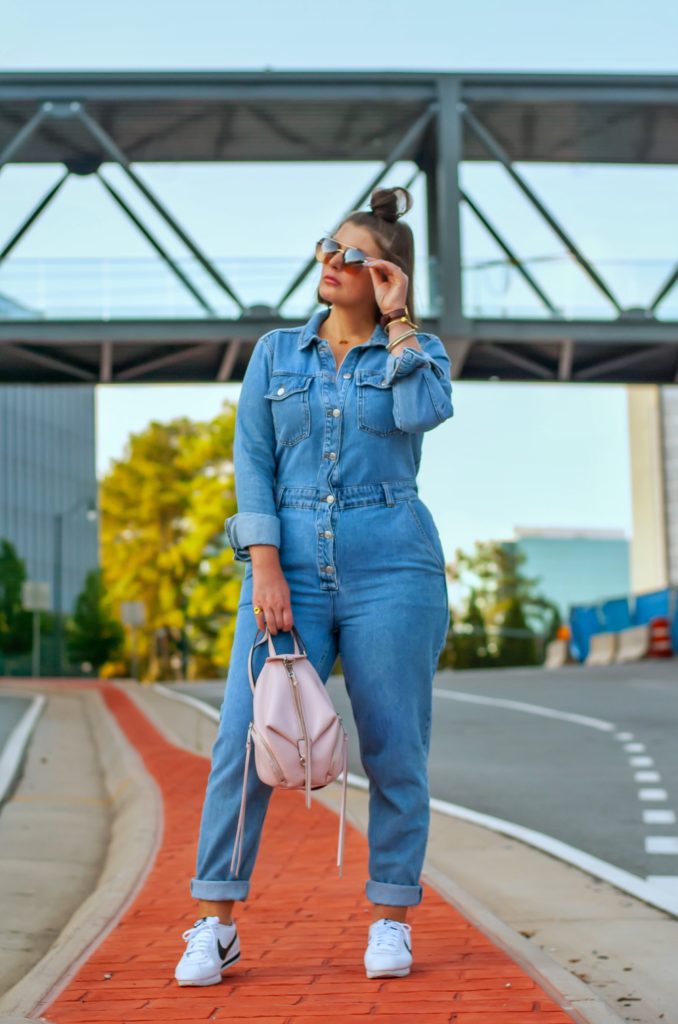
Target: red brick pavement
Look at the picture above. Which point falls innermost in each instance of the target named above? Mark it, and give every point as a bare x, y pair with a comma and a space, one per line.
303, 930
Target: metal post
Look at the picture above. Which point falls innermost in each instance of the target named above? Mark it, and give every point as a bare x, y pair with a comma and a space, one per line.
58, 556
36, 644
447, 196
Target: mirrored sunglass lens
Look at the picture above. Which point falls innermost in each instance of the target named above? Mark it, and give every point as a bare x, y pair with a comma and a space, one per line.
354, 256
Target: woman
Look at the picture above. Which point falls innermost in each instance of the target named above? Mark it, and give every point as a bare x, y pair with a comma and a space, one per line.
337, 542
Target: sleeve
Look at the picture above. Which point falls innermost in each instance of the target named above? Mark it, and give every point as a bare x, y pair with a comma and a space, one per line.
422, 389
256, 521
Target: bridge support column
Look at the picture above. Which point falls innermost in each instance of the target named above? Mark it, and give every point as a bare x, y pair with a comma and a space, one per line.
653, 444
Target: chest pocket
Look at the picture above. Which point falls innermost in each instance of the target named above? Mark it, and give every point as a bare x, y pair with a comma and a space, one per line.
288, 395
375, 403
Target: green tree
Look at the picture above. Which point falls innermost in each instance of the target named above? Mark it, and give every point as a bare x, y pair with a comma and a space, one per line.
163, 507
15, 622
517, 643
92, 634
470, 640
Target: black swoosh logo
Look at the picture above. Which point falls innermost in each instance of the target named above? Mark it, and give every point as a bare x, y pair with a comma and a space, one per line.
223, 953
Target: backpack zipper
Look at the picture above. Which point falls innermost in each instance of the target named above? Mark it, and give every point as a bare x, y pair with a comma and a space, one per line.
302, 725
271, 756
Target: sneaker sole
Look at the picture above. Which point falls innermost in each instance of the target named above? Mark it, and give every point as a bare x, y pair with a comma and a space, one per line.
215, 979
400, 973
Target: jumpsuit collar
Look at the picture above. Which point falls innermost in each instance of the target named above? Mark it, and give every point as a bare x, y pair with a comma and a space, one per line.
310, 329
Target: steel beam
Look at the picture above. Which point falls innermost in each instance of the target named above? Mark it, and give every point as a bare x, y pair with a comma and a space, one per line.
32, 217
409, 139
168, 359
51, 362
497, 151
120, 158
449, 152
514, 260
161, 251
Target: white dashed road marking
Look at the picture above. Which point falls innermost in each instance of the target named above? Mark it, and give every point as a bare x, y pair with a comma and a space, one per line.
661, 844
657, 817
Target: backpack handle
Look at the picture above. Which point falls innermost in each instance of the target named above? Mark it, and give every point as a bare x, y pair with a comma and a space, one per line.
266, 635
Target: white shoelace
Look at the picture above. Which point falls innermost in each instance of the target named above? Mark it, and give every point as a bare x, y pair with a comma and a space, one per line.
198, 938
387, 937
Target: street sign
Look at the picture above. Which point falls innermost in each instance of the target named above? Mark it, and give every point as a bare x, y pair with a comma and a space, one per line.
133, 613
36, 596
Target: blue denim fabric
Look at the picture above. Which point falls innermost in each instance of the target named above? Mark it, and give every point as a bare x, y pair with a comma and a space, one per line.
325, 464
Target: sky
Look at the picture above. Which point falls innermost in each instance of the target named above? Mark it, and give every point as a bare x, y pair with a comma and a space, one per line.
542, 455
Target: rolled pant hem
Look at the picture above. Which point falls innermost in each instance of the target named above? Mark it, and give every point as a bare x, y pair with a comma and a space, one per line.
208, 889
393, 895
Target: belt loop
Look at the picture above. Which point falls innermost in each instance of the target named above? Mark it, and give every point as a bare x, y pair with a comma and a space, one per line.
388, 494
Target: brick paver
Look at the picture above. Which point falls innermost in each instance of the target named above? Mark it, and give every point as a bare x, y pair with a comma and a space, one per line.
303, 930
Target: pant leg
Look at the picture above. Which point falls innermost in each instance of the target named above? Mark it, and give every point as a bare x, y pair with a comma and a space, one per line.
213, 878
393, 617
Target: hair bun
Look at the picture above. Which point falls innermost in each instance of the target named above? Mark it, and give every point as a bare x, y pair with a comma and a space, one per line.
390, 203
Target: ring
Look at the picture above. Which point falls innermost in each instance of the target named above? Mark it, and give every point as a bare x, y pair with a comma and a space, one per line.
257, 609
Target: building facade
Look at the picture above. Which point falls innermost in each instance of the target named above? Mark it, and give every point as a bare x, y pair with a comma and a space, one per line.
47, 480
576, 566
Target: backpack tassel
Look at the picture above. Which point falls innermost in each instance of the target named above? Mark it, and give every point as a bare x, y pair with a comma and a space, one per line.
240, 830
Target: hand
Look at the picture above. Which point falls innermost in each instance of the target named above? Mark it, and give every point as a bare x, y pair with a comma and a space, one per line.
271, 593
390, 284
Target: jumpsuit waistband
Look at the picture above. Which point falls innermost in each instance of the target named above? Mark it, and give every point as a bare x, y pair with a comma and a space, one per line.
384, 492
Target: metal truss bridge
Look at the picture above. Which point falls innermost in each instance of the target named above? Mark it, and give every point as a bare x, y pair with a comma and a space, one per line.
84, 121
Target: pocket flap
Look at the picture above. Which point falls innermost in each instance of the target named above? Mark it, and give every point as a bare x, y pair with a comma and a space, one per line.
284, 384
375, 379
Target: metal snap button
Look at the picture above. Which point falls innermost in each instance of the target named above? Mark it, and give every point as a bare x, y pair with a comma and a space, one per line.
336, 412
329, 568
327, 533
347, 376
281, 391
331, 455
329, 499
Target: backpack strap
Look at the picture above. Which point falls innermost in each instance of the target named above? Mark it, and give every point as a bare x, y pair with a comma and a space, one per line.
342, 816
240, 830
256, 643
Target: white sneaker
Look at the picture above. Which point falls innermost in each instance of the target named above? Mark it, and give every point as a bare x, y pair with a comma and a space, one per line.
212, 948
389, 949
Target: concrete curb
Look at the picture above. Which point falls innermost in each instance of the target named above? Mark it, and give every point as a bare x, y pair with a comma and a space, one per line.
568, 991
572, 994
136, 833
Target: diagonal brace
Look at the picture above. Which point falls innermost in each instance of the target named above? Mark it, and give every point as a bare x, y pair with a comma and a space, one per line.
497, 151
410, 138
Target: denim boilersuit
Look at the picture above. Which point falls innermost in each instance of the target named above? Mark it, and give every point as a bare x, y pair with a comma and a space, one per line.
325, 462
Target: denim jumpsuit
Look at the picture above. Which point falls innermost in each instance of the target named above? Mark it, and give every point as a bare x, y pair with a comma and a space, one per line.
325, 463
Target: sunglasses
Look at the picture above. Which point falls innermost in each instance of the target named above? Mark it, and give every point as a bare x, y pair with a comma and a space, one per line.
353, 259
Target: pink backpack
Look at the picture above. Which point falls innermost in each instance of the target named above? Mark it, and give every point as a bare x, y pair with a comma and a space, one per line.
299, 739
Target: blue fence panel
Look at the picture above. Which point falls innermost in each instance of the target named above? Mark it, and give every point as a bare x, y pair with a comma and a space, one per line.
616, 614
651, 606
584, 622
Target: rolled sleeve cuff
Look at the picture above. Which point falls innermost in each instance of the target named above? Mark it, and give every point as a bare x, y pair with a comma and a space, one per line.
407, 361
245, 528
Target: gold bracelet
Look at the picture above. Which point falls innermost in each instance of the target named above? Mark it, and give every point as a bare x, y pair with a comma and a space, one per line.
394, 341
401, 320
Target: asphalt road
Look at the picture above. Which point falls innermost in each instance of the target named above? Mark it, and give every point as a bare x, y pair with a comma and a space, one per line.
575, 780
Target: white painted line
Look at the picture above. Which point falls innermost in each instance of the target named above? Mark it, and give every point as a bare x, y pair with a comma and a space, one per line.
16, 743
185, 698
623, 736
635, 748
647, 777
661, 844
655, 895
667, 882
528, 709
641, 762
652, 794
659, 817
